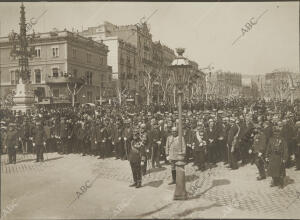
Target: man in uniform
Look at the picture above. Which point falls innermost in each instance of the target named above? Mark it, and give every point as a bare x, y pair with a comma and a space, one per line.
127, 136
63, 131
136, 150
117, 141
173, 150
11, 143
154, 143
39, 141
259, 150
277, 154
102, 138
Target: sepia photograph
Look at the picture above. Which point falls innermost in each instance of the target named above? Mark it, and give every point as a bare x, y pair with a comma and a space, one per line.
149, 110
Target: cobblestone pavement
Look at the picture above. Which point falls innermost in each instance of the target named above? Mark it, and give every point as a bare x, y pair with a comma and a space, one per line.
238, 189
225, 189
27, 163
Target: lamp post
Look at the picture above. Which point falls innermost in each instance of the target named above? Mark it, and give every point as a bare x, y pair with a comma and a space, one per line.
181, 69
24, 98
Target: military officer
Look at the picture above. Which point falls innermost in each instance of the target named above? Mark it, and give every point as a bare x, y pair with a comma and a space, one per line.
39, 141
259, 150
277, 154
136, 150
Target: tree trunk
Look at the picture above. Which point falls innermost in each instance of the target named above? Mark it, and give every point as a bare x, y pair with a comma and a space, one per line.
73, 99
148, 98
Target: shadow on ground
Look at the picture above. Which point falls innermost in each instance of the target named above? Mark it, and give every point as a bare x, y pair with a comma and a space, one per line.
156, 183
54, 158
288, 180
155, 170
190, 211
190, 178
215, 183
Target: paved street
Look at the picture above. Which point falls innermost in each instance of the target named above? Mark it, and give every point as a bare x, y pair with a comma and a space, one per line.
52, 189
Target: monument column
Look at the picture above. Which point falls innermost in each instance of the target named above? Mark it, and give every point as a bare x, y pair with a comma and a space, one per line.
24, 97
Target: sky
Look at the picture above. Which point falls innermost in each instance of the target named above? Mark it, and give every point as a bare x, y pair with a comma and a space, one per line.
206, 29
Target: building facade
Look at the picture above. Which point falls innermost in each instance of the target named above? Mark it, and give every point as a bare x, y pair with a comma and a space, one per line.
132, 44
59, 54
282, 84
224, 84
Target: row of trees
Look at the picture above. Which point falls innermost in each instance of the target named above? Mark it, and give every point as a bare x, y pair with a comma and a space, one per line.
161, 80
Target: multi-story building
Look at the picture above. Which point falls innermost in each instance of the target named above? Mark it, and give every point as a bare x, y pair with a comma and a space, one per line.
122, 58
59, 54
162, 56
281, 84
134, 36
224, 84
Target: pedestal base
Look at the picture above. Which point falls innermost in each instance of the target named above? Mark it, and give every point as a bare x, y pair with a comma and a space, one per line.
24, 98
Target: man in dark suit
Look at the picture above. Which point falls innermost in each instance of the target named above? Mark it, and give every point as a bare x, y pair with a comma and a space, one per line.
154, 142
11, 143
277, 155
232, 143
258, 149
136, 150
39, 141
210, 137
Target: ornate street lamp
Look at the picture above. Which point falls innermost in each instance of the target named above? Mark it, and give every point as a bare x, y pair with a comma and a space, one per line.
24, 97
181, 69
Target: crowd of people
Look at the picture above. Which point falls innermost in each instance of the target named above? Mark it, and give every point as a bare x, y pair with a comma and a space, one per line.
235, 132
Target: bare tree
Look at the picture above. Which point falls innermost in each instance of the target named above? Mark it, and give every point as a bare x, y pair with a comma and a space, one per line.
149, 76
74, 86
165, 81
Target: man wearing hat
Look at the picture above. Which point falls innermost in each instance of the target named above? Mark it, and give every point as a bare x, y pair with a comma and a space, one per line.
127, 137
277, 154
258, 150
39, 141
136, 151
210, 138
154, 144
188, 137
117, 140
232, 143
11, 143
199, 147
173, 150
